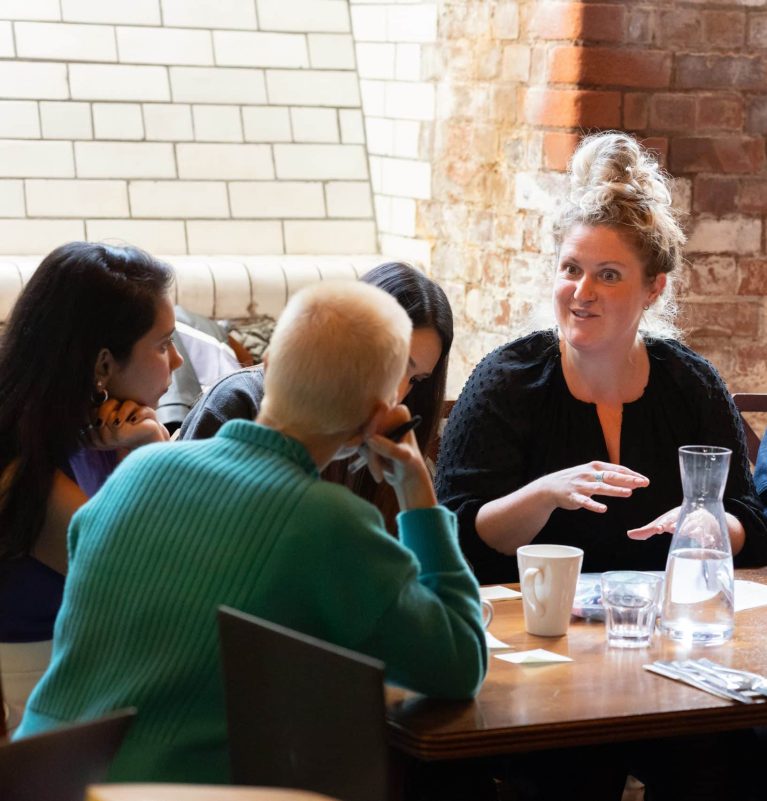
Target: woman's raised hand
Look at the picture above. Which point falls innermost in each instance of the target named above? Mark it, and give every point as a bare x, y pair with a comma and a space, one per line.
666, 523
123, 424
575, 487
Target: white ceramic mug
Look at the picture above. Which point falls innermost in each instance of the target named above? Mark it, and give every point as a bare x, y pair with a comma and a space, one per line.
548, 576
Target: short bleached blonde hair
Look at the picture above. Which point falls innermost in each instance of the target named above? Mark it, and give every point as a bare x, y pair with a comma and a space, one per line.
337, 349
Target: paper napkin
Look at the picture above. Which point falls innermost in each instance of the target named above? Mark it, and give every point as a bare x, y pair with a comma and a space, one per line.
498, 593
494, 642
538, 656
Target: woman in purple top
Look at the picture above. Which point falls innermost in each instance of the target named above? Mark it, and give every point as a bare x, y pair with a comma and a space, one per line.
85, 358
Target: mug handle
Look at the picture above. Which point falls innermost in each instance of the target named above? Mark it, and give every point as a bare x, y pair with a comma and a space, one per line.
487, 612
528, 591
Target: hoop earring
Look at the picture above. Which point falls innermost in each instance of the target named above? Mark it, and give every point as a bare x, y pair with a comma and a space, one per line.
100, 395
646, 308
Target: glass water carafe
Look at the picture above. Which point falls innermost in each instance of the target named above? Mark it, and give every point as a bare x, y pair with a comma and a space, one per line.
698, 594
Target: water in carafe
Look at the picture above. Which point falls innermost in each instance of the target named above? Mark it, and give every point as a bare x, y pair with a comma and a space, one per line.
698, 594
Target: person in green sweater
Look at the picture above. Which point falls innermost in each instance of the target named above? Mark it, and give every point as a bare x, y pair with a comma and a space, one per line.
243, 519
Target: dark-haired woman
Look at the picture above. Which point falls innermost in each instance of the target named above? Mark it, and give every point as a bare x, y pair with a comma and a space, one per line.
422, 388
85, 357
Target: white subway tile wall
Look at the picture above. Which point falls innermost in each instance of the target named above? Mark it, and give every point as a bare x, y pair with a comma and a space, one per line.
200, 127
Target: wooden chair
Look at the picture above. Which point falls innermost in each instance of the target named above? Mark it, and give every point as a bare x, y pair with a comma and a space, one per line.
196, 792
750, 402
302, 713
60, 764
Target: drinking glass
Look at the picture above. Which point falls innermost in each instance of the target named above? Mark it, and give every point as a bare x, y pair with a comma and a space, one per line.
630, 600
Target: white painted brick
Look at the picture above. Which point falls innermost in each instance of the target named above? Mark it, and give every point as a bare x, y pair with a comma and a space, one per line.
373, 97
6, 40
376, 60
403, 215
19, 119
516, 63
77, 198
407, 135
236, 162
67, 120
738, 235
118, 82
201, 85
234, 237
376, 173
314, 124
412, 23
329, 236
413, 251
276, 199
246, 49
184, 199
210, 13
312, 88
352, 126
539, 191
411, 101
12, 199
383, 211
380, 136
25, 159
135, 12
155, 236
30, 9
320, 161
266, 124
328, 16
369, 23
164, 46
58, 41
37, 236
406, 178
408, 67
23, 79
118, 121
169, 122
331, 51
125, 160
217, 123
349, 199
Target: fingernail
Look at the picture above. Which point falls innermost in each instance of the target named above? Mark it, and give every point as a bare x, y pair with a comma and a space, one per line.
132, 419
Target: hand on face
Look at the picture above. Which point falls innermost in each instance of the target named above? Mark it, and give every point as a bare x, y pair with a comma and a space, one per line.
574, 487
123, 424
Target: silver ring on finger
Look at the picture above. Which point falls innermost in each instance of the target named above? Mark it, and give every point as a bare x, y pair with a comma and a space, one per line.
599, 477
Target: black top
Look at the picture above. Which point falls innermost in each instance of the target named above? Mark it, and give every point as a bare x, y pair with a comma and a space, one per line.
516, 421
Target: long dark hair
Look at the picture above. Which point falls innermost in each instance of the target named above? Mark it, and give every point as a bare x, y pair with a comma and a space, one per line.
428, 307
83, 297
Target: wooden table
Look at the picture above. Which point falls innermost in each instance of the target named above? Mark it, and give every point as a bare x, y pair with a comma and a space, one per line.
604, 695
195, 792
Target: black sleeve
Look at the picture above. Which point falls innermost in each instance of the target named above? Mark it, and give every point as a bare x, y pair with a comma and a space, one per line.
236, 397
483, 455
760, 472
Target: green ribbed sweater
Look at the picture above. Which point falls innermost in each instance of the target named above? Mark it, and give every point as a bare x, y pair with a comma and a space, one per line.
243, 520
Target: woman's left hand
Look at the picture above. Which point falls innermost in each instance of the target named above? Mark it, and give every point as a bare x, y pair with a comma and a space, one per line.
123, 425
666, 523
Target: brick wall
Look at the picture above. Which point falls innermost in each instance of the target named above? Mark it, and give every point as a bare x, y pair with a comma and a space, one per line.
523, 79
184, 126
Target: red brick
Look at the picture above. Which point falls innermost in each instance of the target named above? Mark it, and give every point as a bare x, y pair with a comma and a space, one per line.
558, 149
753, 196
721, 319
757, 30
724, 30
719, 113
641, 26
724, 154
635, 110
659, 145
715, 194
720, 72
672, 112
681, 28
571, 108
712, 275
753, 276
593, 22
756, 122
606, 66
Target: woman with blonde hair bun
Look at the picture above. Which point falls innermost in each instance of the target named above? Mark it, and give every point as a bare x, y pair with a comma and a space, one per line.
570, 435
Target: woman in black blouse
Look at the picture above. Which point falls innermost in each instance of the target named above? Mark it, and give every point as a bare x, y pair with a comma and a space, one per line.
570, 435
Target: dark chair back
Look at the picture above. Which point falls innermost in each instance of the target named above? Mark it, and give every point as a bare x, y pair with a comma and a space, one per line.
302, 713
60, 764
750, 402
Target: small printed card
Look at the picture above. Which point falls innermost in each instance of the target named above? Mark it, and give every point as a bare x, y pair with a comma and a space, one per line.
494, 642
749, 594
538, 656
498, 593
